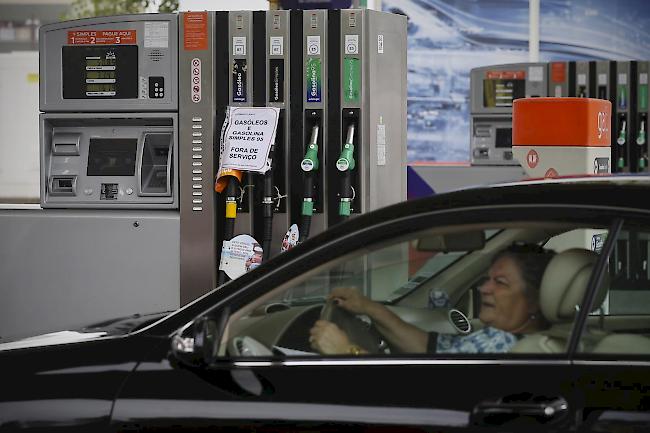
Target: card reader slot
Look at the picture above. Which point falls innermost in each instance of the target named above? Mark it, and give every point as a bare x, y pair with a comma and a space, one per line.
65, 143
155, 165
63, 185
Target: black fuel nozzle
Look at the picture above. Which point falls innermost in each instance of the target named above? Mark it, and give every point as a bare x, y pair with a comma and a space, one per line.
345, 164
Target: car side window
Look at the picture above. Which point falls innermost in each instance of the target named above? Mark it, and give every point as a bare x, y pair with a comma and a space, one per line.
413, 296
620, 323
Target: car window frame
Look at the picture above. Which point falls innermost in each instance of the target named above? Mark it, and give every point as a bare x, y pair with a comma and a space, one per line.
586, 358
377, 233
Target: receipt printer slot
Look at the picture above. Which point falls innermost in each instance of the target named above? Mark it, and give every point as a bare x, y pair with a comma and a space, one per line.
65, 143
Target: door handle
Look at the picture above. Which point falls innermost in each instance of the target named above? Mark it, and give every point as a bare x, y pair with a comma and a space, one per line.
519, 408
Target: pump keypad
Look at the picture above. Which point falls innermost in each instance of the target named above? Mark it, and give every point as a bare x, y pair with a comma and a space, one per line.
156, 87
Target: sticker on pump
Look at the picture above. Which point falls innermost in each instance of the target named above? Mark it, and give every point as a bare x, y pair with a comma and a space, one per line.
551, 173
291, 238
532, 158
102, 37
239, 255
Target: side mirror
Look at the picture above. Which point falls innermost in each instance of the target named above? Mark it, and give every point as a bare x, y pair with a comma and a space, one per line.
198, 343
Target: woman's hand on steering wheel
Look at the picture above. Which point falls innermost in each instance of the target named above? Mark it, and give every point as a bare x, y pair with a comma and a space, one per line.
327, 338
351, 300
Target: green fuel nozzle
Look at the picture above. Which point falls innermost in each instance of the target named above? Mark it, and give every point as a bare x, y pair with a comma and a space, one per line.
640, 139
310, 161
622, 134
346, 164
346, 159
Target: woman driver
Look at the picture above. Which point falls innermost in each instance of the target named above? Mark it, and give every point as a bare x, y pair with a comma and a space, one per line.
509, 308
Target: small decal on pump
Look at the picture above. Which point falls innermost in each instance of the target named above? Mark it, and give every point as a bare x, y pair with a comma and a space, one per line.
551, 173
291, 238
239, 255
603, 123
532, 159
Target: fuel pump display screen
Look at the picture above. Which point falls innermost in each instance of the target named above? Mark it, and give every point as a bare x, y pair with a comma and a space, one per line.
112, 156
501, 92
100, 72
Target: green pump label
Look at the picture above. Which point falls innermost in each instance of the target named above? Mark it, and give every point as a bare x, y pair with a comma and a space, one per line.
314, 79
352, 80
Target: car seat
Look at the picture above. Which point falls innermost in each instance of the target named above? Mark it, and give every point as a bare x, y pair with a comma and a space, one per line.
633, 344
562, 290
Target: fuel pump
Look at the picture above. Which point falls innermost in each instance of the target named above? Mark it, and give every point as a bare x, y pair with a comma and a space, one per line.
310, 98
272, 186
492, 92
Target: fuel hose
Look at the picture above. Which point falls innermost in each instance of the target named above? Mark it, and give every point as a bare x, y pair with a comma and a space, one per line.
641, 141
309, 166
231, 215
267, 211
621, 140
345, 164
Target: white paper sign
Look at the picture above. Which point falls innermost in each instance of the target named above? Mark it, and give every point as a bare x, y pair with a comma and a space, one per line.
248, 138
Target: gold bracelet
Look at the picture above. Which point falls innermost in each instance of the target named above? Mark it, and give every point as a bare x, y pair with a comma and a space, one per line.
354, 350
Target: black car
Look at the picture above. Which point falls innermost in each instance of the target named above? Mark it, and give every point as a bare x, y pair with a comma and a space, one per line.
240, 357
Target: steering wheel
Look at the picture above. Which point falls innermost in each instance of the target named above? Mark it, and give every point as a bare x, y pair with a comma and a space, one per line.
359, 332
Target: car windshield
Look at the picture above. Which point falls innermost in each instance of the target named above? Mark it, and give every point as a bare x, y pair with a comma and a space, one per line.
420, 258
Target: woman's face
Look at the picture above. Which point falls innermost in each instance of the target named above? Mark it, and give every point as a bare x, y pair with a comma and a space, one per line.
503, 300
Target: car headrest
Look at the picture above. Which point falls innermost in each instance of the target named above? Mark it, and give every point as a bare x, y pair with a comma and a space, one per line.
564, 284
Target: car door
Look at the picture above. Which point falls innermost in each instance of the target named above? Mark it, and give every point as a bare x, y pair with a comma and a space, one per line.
253, 388
613, 353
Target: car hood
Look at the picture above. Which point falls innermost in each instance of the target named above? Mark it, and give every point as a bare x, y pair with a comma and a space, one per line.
107, 328
51, 339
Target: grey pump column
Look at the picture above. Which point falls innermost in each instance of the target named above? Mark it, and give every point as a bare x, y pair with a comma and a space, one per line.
197, 69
